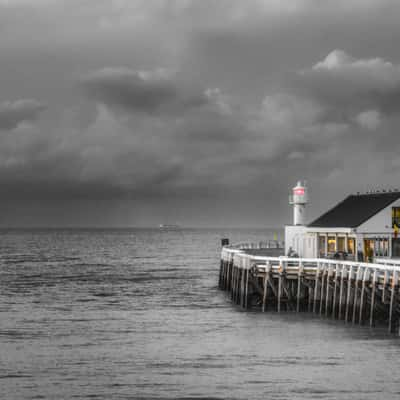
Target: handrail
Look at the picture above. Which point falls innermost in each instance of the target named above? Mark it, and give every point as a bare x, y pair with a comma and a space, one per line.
380, 265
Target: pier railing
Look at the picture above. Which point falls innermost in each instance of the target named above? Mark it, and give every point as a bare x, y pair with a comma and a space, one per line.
356, 292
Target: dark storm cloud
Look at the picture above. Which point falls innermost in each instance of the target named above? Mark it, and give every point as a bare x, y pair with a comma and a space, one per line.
220, 108
347, 86
13, 113
139, 90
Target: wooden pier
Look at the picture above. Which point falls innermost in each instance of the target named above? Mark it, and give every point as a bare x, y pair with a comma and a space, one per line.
355, 292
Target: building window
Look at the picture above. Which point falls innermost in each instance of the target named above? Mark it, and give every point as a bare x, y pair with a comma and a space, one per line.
340, 243
331, 244
321, 246
383, 247
395, 216
350, 245
377, 247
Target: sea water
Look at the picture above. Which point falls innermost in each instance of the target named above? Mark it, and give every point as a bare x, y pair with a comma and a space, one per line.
136, 314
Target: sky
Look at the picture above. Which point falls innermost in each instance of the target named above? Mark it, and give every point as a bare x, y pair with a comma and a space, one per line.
194, 112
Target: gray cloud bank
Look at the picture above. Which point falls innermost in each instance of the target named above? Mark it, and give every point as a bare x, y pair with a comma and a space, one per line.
13, 113
145, 91
199, 112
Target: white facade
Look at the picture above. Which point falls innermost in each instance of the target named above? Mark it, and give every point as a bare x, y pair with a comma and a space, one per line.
380, 223
373, 238
295, 239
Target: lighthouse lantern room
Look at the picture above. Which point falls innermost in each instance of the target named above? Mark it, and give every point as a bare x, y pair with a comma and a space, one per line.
299, 200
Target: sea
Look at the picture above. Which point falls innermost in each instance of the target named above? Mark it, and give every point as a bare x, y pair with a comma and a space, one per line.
136, 314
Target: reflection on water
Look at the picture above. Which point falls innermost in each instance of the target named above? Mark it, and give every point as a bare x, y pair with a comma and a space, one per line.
137, 314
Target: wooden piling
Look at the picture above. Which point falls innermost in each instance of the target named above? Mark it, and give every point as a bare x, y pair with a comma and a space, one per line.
393, 284
362, 313
349, 278
299, 277
327, 291
335, 277
246, 293
321, 298
266, 283
352, 291
355, 297
279, 288
385, 281
316, 288
373, 289
341, 290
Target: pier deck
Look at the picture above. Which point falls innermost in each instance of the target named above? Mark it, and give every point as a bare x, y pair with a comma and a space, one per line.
356, 292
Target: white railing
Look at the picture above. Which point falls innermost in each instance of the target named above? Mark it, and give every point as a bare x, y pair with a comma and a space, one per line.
240, 258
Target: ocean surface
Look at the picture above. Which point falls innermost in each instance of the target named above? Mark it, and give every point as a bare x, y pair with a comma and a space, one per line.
136, 314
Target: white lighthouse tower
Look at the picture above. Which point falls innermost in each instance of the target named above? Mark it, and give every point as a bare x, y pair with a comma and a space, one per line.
299, 199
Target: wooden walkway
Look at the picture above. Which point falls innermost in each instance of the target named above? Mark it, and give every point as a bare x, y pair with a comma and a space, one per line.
359, 293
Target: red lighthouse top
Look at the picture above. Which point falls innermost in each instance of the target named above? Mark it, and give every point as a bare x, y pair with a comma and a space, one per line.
298, 191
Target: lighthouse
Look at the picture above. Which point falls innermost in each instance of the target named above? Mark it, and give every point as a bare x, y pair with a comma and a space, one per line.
299, 200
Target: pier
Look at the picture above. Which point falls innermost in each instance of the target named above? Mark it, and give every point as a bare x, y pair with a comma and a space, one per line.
256, 276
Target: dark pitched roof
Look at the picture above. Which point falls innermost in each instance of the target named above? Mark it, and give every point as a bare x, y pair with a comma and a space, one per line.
355, 209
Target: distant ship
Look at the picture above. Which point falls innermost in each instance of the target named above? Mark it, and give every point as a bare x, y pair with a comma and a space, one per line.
169, 227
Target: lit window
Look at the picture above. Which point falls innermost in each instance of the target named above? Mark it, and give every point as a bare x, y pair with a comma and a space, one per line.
331, 244
396, 216
350, 245
340, 244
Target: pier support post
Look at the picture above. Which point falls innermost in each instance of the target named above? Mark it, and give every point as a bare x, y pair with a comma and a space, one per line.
349, 279
299, 278
280, 278
385, 281
246, 294
335, 277
233, 282
341, 290
373, 289
221, 266
237, 285
363, 284
242, 286
321, 300
393, 285
310, 296
316, 288
266, 279
328, 273
355, 297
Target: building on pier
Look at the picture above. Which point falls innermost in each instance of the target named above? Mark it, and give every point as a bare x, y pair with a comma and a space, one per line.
360, 227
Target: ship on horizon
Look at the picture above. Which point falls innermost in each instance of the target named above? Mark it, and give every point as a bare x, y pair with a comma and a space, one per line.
169, 227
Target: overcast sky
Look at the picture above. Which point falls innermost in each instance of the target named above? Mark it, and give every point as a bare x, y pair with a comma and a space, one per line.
198, 112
